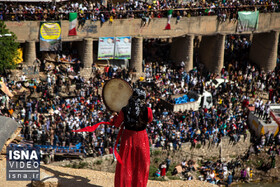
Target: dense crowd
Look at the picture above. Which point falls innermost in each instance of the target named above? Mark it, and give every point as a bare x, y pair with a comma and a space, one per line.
94, 11
50, 108
48, 116
225, 173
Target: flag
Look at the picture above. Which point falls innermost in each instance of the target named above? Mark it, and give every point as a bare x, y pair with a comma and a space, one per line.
72, 23
169, 15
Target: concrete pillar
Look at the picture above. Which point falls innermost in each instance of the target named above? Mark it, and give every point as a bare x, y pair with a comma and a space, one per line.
30, 53
182, 50
87, 58
197, 41
211, 52
264, 48
88, 52
251, 37
137, 54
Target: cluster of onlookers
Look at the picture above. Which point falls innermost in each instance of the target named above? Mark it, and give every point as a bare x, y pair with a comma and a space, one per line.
89, 10
216, 172
227, 117
50, 108
225, 173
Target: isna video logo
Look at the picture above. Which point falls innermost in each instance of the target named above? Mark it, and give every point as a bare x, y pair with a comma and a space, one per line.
23, 163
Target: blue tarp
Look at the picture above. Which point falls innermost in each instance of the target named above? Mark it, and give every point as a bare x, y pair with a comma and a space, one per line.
183, 99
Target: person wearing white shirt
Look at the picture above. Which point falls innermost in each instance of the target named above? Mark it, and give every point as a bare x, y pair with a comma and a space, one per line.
23, 77
261, 111
212, 175
261, 102
266, 113
257, 105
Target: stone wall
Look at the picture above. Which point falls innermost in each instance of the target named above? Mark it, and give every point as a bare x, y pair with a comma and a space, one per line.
202, 25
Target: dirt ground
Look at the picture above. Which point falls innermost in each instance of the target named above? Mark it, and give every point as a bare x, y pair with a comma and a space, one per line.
88, 178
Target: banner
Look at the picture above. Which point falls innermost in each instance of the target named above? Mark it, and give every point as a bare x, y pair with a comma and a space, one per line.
18, 58
123, 47
247, 21
50, 36
106, 46
72, 24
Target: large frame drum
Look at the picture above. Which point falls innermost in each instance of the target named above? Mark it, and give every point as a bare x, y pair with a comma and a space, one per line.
116, 93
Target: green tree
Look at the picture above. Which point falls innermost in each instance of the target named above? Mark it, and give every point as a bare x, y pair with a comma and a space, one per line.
8, 48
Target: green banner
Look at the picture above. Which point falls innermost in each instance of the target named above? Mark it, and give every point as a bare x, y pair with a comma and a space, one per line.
247, 21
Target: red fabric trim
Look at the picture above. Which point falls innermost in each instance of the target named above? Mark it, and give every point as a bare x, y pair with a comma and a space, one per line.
117, 121
118, 157
150, 115
91, 128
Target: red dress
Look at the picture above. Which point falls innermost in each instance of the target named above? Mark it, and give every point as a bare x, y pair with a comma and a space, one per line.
135, 156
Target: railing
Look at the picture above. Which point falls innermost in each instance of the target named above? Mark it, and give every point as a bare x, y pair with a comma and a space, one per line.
124, 14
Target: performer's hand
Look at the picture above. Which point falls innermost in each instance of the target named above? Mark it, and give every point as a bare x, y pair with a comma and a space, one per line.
113, 117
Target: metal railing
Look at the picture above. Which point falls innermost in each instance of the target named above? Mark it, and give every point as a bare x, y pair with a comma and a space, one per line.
125, 14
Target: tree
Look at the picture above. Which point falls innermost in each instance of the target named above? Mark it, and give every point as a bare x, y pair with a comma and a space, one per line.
8, 48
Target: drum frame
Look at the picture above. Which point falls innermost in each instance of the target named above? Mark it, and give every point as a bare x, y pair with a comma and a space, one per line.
104, 101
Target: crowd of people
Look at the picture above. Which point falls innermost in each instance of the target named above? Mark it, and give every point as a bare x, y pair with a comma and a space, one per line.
50, 117
49, 109
94, 11
215, 172
226, 172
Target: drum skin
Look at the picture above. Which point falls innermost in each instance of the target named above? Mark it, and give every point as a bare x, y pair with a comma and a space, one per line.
116, 93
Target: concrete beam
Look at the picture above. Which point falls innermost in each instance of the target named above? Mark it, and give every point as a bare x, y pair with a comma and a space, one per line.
264, 50
182, 51
211, 52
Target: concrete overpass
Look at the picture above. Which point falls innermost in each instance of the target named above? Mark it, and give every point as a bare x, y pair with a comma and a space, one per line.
212, 32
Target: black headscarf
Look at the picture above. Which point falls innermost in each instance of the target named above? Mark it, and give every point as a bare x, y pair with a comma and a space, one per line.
135, 107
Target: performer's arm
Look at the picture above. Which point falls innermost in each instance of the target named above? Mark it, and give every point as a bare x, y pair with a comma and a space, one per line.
150, 115
117, 120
